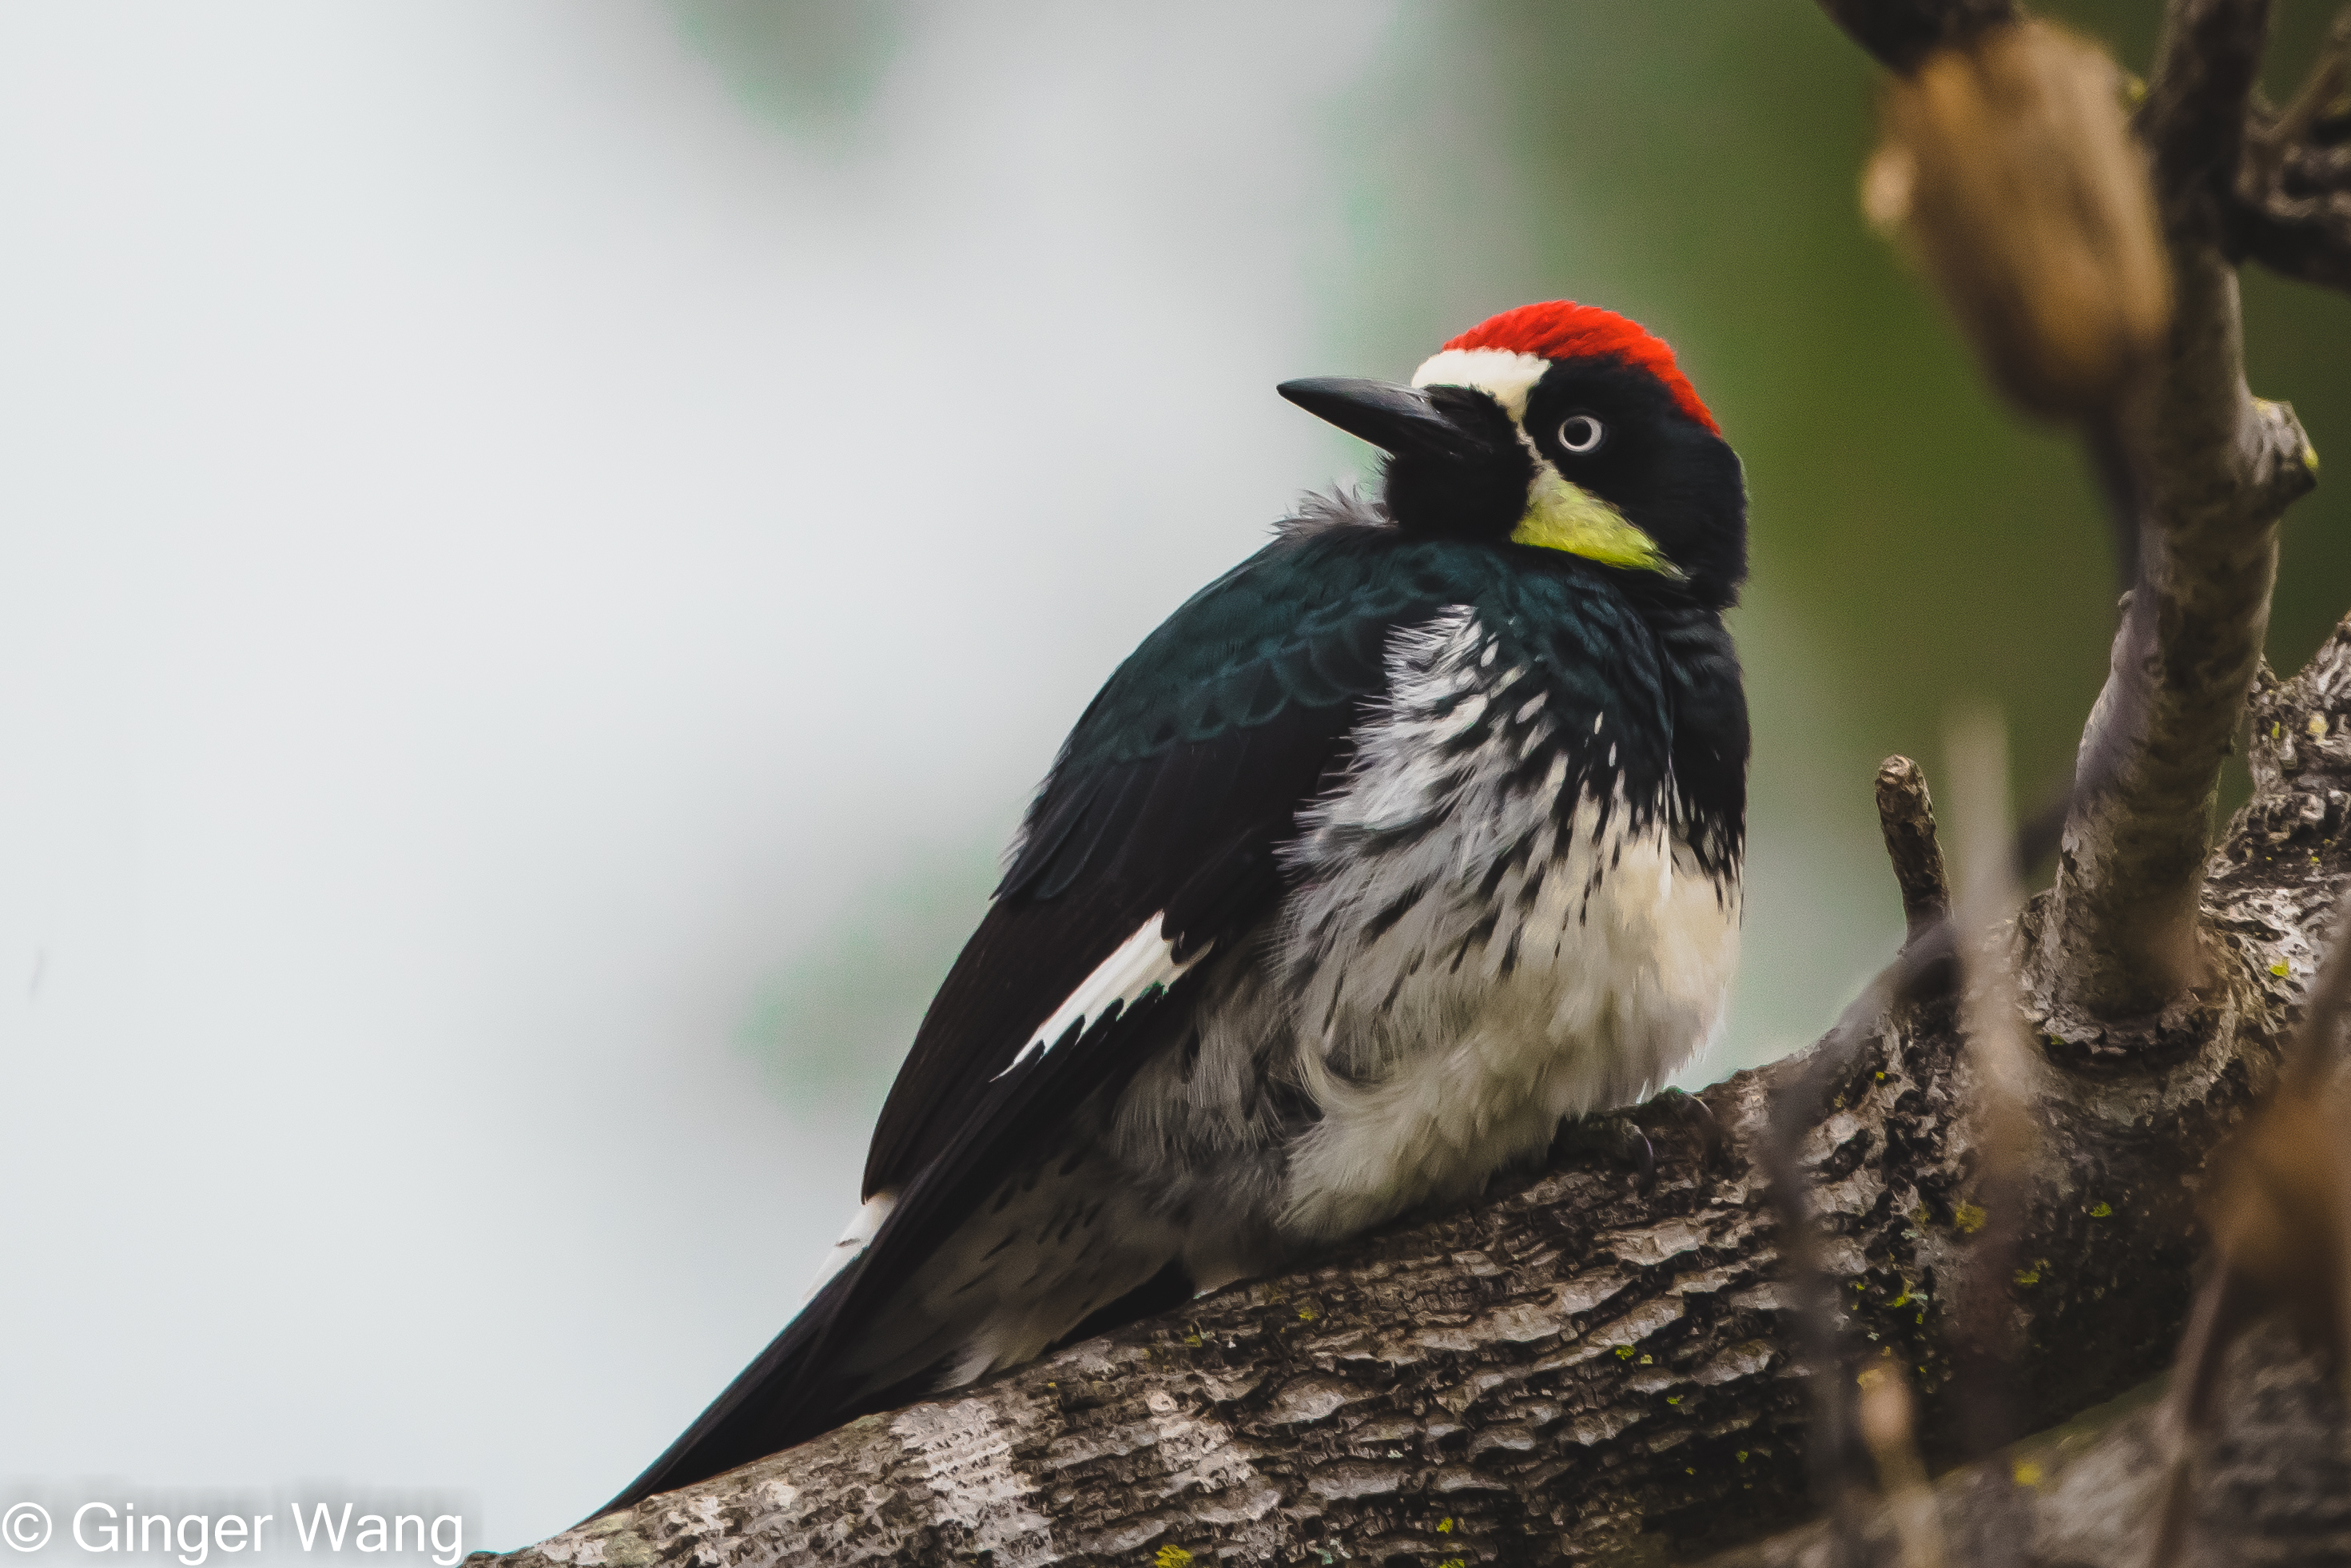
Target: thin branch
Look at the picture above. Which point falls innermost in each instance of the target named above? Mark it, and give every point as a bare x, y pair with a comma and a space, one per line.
1988, 1327
1906, 814
2197, 103
2291, 203
1817, 1325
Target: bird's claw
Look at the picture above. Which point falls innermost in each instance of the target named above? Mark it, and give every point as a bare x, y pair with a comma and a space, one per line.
1694, 1117
1613, 1137
1685, 1108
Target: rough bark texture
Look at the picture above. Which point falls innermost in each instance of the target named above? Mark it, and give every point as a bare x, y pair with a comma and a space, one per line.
2273, 1487
1590, 1364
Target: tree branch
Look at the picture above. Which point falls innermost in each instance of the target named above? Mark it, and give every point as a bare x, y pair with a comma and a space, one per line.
1590, 1364
2279, 1490
2290, 205
1906, 814
2120, 944
2009, 169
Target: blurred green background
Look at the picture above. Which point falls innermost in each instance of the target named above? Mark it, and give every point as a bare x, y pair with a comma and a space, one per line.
1917, 546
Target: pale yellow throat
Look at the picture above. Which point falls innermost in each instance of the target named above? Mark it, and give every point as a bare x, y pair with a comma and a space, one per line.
1561, 515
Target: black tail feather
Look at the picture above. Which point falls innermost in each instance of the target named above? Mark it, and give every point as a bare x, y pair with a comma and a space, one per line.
813, 1377
782, 1398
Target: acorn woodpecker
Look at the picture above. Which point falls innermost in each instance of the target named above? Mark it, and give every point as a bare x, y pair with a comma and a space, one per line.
1413, 835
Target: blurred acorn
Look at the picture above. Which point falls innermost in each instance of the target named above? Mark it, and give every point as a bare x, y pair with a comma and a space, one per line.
2008, 171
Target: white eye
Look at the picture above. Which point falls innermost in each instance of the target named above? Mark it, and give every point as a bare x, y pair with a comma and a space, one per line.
1580, 432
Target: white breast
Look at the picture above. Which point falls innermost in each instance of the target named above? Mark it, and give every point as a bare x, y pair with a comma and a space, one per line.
1479, 957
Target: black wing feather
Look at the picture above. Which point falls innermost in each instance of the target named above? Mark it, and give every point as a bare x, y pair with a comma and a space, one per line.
1192, 833
1172, 798
1201, 818
796, 1388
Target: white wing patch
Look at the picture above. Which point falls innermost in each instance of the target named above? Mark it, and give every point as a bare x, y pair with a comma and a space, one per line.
853, 1239
1143, 960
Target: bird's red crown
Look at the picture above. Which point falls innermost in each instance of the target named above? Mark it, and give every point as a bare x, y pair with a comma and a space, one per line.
1563, 329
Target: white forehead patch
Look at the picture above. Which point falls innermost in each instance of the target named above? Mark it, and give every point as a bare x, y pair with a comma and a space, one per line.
1504, 373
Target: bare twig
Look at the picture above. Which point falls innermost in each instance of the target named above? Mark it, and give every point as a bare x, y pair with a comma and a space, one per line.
2123, 487
1906, 814
2197, 103
2291, 203
1937, 941
2270, 145
2188, 1411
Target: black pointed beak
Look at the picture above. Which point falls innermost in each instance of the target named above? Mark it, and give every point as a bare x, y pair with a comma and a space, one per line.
1403, 421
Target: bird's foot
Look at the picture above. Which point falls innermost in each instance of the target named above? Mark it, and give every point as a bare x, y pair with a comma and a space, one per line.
1616, 1137
1689, 1115
1685, 1108
1612, 1136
